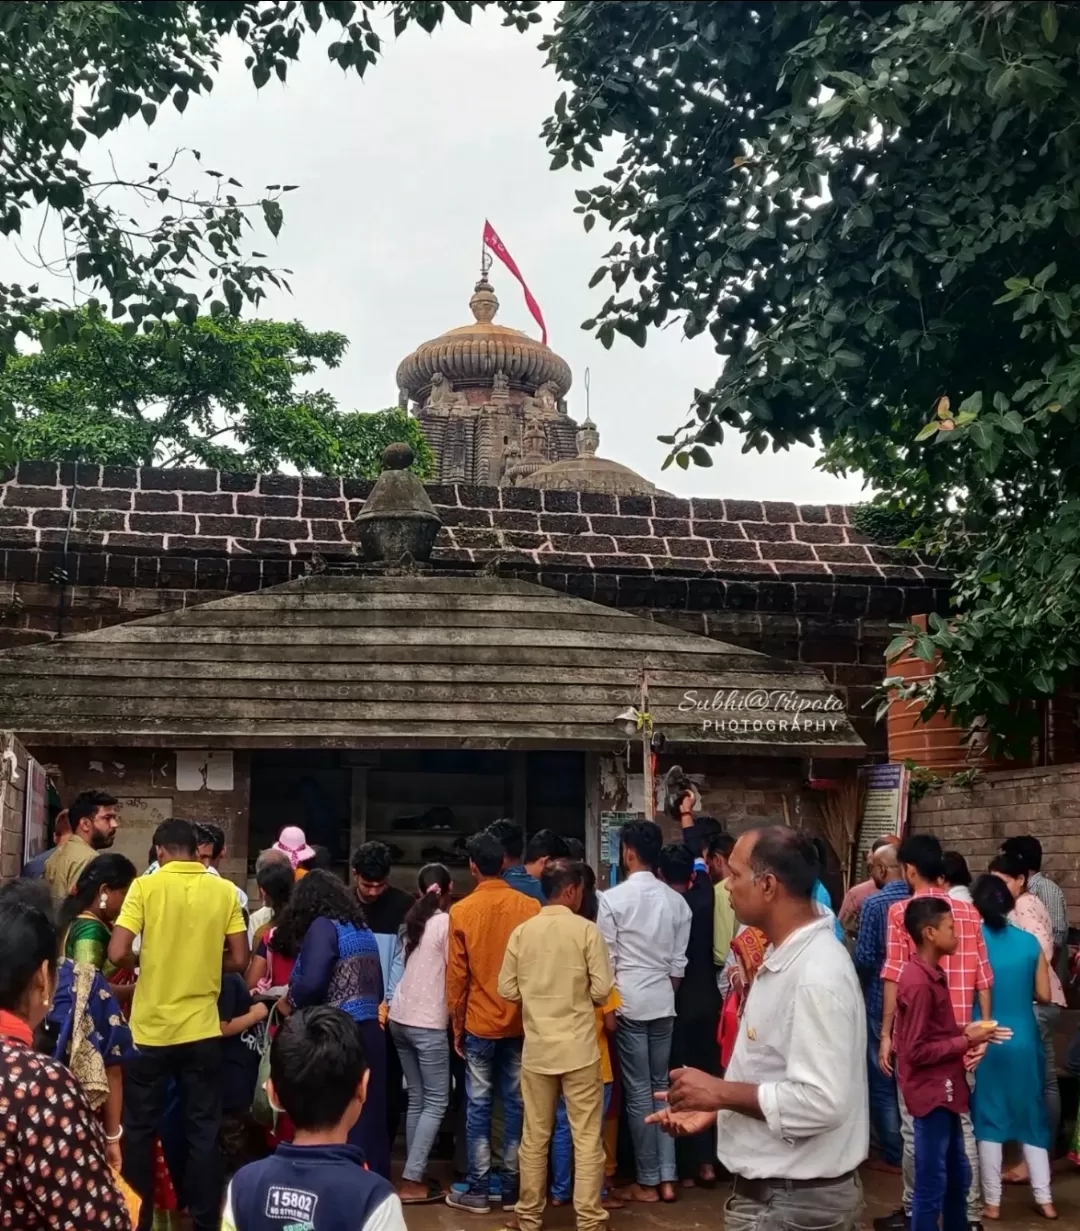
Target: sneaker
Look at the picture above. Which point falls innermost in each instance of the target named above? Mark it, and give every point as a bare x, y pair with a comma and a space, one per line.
975, 1225
494, 1186
510, 1195
472, 1203
896, 1221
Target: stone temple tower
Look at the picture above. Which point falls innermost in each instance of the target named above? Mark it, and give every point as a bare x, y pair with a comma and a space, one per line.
491, 400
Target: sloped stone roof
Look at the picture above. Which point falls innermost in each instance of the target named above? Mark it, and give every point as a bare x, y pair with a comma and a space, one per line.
368, 659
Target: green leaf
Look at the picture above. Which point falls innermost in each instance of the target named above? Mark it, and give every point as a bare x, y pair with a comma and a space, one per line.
272, 216
1050, 21
683, 460
832, 107
180, 100
929, 430
1013, 422
982, 433
897, 646
973, 402
923, 648
701, 456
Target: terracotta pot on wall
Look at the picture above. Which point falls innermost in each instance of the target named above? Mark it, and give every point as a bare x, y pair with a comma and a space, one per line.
938, 744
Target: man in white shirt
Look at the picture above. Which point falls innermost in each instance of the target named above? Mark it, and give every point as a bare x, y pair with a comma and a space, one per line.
647, 928
791, 1112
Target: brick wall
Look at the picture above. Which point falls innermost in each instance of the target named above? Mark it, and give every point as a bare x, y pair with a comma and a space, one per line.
1043, 802
196, 514
151, 774
794, 581
13, 761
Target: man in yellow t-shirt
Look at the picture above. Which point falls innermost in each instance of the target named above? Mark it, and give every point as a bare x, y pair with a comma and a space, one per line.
192, 930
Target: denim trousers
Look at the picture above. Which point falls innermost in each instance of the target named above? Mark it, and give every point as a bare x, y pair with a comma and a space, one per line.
491, 1064
971, 1152
645, 1055
425, 1061
1047, 1017
832, 1205
562, 1148
884, 1106
942, 1174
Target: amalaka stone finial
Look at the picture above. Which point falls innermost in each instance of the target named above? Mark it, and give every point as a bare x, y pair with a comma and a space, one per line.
397, 456
484, 304
398, 518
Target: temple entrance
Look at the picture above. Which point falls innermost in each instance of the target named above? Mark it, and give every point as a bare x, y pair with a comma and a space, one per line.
424, 804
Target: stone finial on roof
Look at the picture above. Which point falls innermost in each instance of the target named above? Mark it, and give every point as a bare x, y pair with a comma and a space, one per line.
398, 519
588, 439
484, 303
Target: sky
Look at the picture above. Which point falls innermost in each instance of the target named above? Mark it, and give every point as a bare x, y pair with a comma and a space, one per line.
396, 174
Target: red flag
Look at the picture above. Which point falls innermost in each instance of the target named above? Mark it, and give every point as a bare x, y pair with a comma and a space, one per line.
492, 241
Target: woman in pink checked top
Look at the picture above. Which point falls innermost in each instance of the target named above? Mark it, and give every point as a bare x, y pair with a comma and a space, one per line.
418, 1021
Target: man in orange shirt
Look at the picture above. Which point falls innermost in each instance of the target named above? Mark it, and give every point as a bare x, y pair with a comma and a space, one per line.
487, 1029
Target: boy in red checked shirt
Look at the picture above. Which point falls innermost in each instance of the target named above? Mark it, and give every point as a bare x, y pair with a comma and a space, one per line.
933, 1055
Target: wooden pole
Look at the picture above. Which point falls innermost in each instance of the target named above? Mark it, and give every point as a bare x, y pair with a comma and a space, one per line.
646, 748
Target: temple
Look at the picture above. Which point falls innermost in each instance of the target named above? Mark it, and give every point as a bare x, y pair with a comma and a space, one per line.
492, 403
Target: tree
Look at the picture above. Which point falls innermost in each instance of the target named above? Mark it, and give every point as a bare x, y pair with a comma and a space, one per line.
873, 209
74, 69
220, 392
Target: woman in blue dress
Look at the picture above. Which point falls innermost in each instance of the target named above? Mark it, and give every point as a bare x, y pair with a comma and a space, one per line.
338, 964
1008, 1102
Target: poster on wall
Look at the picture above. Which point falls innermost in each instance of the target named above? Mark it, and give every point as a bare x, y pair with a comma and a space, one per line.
204, 770
884, 805
139, 817
36, 815
611, 824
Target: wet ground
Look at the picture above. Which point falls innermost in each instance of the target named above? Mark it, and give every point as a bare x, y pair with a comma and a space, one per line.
698, 1208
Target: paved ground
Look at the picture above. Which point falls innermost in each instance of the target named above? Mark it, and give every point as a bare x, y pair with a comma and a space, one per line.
705, 1209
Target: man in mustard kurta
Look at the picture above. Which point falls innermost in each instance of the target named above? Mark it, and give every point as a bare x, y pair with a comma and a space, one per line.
557, 967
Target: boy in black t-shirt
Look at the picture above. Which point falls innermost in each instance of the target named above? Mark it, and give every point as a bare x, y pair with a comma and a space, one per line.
241, 1040
318, 1077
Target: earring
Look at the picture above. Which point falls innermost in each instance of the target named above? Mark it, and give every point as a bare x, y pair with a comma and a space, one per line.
103, 901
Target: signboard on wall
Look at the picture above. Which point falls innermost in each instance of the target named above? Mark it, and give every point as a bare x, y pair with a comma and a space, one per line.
204, 770
36, 813
139, 817
884, 806
611, 824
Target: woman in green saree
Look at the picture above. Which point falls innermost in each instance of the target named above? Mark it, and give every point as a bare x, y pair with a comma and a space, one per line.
86, 918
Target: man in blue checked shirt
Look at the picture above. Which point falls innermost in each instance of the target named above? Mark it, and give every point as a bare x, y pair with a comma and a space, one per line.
887, 874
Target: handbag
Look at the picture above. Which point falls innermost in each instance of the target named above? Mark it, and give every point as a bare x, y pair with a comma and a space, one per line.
262, 1110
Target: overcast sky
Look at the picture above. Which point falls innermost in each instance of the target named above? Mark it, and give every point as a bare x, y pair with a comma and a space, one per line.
396, 175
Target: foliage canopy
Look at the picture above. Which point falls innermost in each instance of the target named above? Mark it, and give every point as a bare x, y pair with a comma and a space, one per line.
73, 69
873, 209
220, 392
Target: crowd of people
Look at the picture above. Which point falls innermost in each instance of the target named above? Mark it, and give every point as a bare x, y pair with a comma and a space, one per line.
167, 1045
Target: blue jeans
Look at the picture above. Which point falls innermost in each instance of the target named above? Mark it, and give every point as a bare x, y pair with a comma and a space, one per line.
645, 1056
425, 1061
941, 1173
562, 1149
489, 1062
884, 1107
